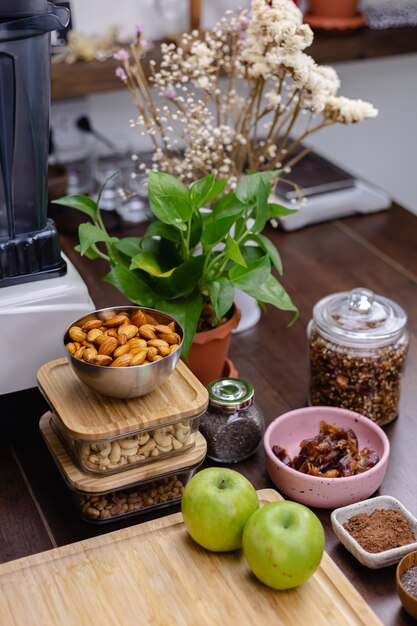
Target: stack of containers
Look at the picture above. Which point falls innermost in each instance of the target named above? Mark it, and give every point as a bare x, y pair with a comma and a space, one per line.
120, 457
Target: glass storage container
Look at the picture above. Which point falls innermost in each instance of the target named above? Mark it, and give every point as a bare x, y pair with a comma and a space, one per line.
106, 435
142, 489
233, 424
358, 345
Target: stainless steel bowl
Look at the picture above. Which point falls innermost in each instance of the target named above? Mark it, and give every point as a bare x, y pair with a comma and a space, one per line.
125, 382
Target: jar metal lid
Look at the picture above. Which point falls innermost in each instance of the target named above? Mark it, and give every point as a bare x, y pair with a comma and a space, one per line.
359, 316
231, 393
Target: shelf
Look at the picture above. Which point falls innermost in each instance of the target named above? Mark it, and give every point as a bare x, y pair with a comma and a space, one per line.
83, 78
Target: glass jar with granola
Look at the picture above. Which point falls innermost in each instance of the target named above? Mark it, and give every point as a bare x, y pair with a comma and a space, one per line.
358, 345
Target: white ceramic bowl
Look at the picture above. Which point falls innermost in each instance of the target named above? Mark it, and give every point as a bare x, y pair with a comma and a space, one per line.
370, 559
289, 429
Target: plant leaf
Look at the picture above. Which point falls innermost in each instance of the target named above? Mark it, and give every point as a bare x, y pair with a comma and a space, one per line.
250, 277
246, 191
187, 312
216, 231
221, 294
183, 281
129, 246
131, 285
233, 252
165, 231
85, 204
277, 210
262, 212
272, 292
268, 247
90, 234
203, 191
148, 262
169, 200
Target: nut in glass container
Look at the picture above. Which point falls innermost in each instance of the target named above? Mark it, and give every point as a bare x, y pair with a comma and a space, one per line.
358, 345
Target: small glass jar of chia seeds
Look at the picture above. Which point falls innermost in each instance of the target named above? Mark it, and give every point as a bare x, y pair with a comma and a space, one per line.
233, 424
358, 345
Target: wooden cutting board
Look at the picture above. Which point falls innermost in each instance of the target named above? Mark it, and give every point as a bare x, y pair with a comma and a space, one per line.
154, 574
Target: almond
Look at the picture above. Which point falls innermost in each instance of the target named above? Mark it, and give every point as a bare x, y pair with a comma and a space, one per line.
101, 359
77, 334
147, 331
138, 318
122, 361
130, 330
116, 320
170, 337
108, 346
91, 324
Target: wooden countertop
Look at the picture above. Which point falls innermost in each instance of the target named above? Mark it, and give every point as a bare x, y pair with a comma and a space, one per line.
377, 251
83, 78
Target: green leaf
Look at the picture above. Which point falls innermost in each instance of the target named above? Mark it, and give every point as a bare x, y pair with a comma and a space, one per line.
81, 203
129, 246
203, 191
92, 253
187, 312
272, 292
216, 231
184, 280
90, 234
258, 282
148, 262
246, 191
225, 206
165, 231
268, 247
221, 294
131, 286
233, 252
248, 279
277, 210
262, 213
169, 200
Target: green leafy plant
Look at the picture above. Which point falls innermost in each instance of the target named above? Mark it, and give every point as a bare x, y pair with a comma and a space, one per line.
201, 245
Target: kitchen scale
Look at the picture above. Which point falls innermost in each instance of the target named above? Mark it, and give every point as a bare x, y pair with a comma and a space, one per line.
40, 290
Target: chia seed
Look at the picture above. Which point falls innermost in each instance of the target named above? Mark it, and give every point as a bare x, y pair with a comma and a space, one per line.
232, 436
409, 580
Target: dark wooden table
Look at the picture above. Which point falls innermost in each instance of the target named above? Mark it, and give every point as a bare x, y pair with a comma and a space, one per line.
376, 251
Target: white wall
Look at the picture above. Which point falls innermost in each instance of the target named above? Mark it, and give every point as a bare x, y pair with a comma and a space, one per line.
381, 150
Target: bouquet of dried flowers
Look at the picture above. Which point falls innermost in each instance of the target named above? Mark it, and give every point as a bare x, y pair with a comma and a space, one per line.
242, 96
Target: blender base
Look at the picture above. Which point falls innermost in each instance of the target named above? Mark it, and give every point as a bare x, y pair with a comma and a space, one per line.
33, 318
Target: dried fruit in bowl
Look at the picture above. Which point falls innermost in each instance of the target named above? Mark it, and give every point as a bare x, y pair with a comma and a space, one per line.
330, 454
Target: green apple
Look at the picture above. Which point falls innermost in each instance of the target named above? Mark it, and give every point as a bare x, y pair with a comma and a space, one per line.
283, 543
216, 504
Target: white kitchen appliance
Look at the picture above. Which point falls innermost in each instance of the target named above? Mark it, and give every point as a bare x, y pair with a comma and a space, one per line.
40, 290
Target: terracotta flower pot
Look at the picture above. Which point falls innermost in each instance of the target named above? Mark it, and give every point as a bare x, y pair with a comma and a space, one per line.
334, 8
208, 352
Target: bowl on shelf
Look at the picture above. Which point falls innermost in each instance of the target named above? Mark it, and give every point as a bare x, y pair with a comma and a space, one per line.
373, 560
291, 428
116, 376
408, 599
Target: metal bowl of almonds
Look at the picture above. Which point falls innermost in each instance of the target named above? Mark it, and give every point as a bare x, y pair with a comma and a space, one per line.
124, 351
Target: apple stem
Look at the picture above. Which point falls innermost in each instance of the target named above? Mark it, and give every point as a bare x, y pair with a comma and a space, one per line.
222, 484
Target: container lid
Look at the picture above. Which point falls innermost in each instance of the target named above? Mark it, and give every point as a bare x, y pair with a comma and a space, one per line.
90, 416
87, 483
232, 393
359, 317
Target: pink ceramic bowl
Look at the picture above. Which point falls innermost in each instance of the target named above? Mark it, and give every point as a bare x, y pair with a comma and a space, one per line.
289, 429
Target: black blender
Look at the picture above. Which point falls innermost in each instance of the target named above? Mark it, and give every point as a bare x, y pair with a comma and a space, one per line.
39, 288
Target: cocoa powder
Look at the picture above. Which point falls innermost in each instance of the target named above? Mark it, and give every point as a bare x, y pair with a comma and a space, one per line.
382, 530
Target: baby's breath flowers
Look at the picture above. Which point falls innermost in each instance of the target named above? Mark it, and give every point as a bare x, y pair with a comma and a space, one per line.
231, 96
